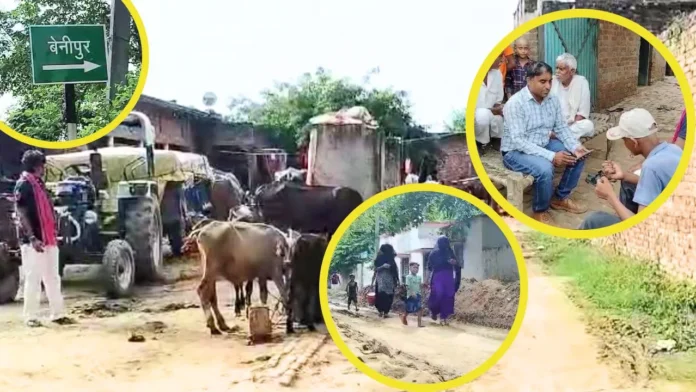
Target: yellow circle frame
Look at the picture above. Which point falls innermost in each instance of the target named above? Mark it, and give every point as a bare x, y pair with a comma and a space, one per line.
688, 104
401, 385
122, 115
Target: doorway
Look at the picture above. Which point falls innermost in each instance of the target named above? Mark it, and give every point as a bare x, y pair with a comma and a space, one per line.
645, 55
405, 261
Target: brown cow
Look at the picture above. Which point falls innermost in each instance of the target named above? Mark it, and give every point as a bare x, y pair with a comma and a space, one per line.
239, 252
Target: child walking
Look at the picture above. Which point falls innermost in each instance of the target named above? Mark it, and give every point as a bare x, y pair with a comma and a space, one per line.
414, 285
352, 290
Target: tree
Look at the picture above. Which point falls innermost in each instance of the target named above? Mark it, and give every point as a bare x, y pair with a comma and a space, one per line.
287, 108
38, 111
457, 123
397, 214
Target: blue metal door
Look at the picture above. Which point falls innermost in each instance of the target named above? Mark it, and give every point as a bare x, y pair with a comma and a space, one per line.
577, 36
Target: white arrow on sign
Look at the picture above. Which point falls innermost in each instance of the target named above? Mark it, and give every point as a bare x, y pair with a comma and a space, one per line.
86, 66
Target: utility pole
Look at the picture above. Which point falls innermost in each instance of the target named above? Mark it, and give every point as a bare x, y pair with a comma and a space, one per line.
120, 40
69, 110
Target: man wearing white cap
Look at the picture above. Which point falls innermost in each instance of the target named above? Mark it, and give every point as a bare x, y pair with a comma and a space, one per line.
638, 130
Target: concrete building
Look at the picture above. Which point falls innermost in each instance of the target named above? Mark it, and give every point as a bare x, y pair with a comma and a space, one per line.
486, 253
613, 59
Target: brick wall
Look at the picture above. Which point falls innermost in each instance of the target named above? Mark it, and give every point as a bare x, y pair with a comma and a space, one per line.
618, 54
654, 15
534, 50
667, 237
658, 67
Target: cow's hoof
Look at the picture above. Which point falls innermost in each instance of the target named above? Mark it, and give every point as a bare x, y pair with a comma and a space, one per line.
312, 328
215, 332
289, 330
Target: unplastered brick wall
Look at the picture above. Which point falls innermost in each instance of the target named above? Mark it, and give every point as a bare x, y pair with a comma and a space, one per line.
654, 15
658, 67
668, 237
617, 58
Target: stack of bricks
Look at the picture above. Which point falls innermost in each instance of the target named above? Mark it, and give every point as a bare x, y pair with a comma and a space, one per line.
668, 237
618, 53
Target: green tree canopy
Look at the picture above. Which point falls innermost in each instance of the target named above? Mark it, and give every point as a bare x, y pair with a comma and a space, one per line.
457, 123
397, 214
287, 108
38, 111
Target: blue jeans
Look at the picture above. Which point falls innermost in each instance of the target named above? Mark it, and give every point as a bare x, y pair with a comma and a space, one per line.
599, 219
542, 171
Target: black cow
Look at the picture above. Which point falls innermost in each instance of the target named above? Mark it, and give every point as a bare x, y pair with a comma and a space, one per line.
308, 209
307, 253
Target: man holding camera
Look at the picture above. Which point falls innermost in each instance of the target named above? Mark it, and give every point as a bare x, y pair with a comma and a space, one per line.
638, 130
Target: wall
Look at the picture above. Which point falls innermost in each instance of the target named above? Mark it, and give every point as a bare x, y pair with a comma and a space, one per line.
654, 15
658, 67
667, 237
488, 254
168, 129
534, 48
618, 54
450, 151
359, 165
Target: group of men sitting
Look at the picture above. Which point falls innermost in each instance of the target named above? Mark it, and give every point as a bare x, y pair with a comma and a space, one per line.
545, 114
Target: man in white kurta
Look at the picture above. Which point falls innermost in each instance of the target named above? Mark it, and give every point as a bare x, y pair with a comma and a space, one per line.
573, 92
489, 108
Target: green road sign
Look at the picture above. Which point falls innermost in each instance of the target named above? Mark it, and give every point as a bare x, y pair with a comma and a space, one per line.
66, 54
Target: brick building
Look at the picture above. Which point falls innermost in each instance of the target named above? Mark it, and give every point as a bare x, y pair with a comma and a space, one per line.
667, 236
613, 59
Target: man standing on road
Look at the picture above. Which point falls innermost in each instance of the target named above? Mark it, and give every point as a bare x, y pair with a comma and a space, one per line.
637, 129
530, 118
39, 249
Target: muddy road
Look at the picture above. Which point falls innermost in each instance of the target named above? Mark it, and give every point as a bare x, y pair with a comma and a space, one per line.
430, 354
177, 354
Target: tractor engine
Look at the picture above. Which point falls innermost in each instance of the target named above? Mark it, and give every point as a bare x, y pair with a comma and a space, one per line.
77, 220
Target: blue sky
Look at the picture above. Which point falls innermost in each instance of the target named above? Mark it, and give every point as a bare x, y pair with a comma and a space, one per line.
432, 49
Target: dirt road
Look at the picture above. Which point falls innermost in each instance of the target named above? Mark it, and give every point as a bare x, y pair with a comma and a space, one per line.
408, 353
178, 353
553, 350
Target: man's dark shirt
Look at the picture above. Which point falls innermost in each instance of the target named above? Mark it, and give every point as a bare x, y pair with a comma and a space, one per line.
353, 289
516, 78
24, 198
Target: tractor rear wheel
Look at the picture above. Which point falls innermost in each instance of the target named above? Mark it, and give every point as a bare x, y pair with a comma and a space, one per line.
119, 269
9, 277
144, 234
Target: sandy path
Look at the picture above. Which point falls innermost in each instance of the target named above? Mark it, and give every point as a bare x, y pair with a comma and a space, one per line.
178, 355
553, 350
413, 354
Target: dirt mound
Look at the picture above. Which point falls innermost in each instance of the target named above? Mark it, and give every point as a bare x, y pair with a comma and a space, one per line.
490, 303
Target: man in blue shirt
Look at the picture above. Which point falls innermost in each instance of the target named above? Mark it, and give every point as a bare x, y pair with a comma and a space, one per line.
637, 129
531, 117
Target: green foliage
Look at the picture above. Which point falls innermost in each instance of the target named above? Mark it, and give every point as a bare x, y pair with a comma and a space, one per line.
625, 288
38, 111
457, 123
398, 214
287, 108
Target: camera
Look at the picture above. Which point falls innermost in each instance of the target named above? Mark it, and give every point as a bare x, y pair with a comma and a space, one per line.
593, 178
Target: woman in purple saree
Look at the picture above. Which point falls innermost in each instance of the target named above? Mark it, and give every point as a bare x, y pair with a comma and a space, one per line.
446, 275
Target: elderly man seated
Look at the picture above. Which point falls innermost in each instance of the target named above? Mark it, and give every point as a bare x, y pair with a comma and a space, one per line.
489, 108
573, 92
